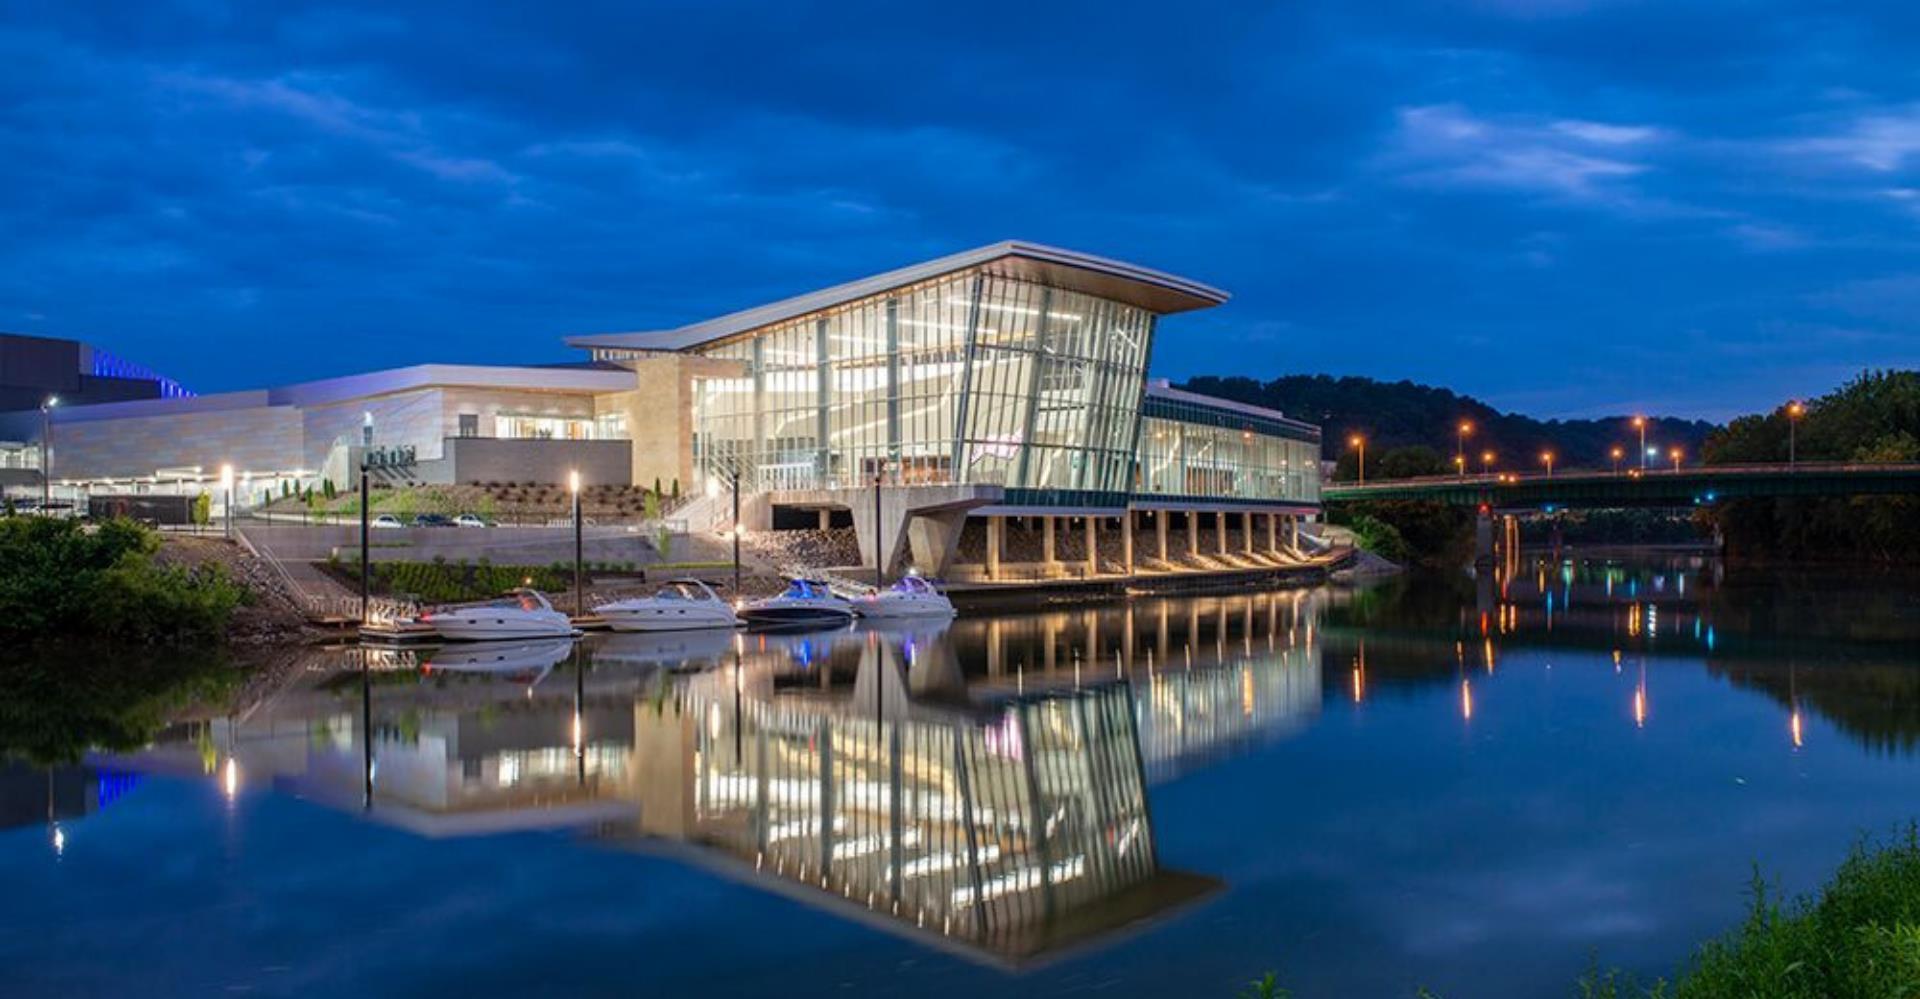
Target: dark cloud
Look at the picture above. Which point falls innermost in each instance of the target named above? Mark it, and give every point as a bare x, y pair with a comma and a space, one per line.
1578, 206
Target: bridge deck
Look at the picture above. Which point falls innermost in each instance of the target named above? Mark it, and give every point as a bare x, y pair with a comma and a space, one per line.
1635, 487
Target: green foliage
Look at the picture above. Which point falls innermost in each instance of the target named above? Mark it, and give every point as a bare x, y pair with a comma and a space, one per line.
327, 490
1267, 986
61, 580
202, 511
10, 510
656, 487
1397, 414
439, 581
663, 543
650, 506
1381, 538
1411, 531
676, 488
1873, 419
1408, 462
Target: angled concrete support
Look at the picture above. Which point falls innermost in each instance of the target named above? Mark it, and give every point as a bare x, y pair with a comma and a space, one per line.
934, 538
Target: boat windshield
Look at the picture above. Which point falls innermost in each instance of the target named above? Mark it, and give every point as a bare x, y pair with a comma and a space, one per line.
530, 602
805, 590
913, 584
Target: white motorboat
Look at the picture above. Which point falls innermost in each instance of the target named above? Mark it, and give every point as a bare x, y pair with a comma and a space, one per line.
911, 597
523, 613
681, 605
521, 662
805, 602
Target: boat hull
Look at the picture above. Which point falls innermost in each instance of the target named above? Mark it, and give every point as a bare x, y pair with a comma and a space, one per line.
499, 629
659, 620
788, 616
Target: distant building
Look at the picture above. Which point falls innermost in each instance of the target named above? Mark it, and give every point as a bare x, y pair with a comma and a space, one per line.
1003, 387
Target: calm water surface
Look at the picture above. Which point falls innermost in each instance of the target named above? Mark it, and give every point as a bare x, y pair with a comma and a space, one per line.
1475, 789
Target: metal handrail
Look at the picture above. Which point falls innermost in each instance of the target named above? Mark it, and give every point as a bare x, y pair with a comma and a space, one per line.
1608, 475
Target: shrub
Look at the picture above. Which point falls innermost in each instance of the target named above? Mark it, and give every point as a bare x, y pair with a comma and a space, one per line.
60, 580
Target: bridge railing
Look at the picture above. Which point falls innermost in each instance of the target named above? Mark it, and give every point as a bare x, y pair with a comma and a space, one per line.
1588, 474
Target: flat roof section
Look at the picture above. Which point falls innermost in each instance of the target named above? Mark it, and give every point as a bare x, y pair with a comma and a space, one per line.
583, 380
1155, 291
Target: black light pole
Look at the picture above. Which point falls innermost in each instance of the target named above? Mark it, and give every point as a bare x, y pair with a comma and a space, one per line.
226, 486
364, 524
879, 560
736, 532
579, 585
46, 468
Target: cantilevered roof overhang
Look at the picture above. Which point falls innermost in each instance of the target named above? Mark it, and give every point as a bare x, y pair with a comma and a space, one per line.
1154, 291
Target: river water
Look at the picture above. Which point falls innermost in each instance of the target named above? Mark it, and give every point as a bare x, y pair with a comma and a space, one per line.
1475, 789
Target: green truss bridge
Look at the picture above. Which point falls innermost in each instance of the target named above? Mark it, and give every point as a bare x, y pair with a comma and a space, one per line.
1579, 489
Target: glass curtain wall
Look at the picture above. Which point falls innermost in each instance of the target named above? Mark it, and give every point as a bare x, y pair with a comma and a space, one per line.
1182, 458
973, 378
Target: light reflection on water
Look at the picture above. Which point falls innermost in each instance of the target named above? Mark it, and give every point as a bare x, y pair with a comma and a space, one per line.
1367, 789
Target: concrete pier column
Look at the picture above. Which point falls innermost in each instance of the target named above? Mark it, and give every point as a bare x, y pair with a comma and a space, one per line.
826, 520
1047, 554
1246, 531
996, 528
1160, 531
1126, 541
1483, 543
1273, 534
1220, 531
1093, 546
1293, 532
1193, 532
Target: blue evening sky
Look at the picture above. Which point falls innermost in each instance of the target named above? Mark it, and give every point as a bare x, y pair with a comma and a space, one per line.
1568, 207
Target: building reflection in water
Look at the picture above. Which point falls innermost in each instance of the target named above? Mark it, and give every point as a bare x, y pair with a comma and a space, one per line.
982, 786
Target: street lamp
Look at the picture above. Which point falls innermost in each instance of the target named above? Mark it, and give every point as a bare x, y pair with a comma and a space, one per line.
1640, 424
1616, 454
1460, 446
579, 582
1360, 442
1486, 462
1794, 411
1676, 454
46, 468
226, 486
1547, 458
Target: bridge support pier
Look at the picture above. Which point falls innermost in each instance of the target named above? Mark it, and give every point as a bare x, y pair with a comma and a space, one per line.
1160, 531
1483, 561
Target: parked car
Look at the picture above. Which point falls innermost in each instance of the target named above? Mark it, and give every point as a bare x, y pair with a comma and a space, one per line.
387, 520
471, 520
432, 520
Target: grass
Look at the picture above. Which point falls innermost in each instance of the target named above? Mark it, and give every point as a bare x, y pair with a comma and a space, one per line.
1858, 937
